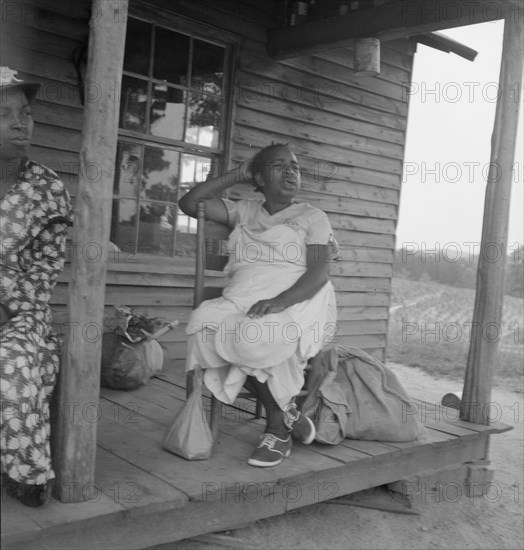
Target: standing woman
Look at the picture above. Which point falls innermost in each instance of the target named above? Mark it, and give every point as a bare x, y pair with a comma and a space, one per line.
35, 211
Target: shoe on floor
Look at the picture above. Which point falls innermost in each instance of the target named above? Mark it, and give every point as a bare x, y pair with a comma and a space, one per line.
299, 425
28, 495
270, 451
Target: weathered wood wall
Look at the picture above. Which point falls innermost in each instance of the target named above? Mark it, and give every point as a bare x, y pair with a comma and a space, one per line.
348, 132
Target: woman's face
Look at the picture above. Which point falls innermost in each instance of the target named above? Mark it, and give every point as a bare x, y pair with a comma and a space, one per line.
280, 178
16, 125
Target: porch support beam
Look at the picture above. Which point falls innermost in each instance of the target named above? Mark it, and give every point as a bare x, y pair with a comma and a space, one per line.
399, 19
443, 43
74, 443
487, 315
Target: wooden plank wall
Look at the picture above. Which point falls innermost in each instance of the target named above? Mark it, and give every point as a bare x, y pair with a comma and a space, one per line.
348, 133
39, 39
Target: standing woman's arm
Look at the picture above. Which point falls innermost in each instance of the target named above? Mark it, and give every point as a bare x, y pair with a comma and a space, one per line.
33, 288
45, 255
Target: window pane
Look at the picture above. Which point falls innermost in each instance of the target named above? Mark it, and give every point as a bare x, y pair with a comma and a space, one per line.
208, 67
171, 56
185, 225
127, 173
155, 232
205, 112
133, 104
194, 170
138, 47
123, 224
160, 174
168, 112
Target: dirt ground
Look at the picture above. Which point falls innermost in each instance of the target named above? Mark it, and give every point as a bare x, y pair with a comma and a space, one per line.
448, 520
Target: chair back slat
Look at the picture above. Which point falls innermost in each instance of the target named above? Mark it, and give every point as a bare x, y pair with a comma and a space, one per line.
200, 255
216, 236
211, 253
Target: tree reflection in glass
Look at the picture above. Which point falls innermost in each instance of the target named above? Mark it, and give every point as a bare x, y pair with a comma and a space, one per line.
159, 186
205, 112
133, 104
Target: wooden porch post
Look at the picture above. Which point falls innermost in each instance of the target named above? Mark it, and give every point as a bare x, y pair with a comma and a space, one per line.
487, 315
78, 391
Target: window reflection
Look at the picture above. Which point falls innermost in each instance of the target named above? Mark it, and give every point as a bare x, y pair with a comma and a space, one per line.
138, 46
171, 56
133, 104
168, 112
123, 224
160, 176
207, 70
155, 232
194, 170
205, 112
127, 176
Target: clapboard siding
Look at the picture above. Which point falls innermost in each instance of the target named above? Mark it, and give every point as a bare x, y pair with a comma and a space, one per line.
349, 136
358, 207
41, 63
273, 98
64, 19
334, 96
389, 71
393, 55
354, 254
327, 85
53, 137
39, 39
388, 96
368, 240
58, 115
348, 133
320, 133
374, 344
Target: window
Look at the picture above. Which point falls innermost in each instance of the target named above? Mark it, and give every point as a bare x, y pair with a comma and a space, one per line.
172, 133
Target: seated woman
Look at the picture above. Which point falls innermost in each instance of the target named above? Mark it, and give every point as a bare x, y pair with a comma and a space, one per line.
34, 214
278, 308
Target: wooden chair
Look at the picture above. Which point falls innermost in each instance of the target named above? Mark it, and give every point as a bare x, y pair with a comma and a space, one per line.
211, 254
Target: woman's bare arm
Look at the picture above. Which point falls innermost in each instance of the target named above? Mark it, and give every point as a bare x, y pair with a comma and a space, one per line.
315, 277
210, 190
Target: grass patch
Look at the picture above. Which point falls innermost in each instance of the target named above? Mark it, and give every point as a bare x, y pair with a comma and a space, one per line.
430, 328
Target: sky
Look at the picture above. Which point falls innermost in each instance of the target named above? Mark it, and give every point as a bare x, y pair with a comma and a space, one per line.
448, 150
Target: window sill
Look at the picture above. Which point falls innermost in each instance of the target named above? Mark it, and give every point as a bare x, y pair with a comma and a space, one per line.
145, 263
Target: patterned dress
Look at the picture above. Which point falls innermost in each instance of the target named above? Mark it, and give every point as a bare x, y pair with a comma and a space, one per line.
34, 215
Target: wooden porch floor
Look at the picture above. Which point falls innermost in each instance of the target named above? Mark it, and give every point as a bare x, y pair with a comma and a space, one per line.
144, 496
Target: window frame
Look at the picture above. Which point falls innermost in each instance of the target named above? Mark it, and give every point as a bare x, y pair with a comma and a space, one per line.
220, 156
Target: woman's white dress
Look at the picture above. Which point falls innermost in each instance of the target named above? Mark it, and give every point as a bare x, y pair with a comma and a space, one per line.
267, 254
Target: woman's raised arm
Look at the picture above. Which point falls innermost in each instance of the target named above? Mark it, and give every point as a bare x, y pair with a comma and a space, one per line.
210, 190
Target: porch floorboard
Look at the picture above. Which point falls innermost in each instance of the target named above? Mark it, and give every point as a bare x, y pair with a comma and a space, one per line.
144, 495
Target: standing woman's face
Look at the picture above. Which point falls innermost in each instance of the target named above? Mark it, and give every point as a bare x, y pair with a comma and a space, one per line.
16, 125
